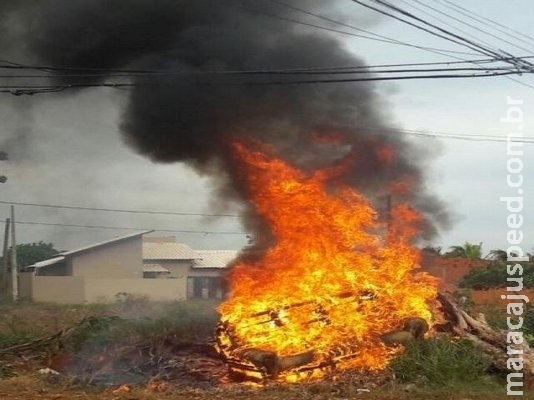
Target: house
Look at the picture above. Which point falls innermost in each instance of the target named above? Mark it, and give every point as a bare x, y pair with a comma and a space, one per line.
206, 277
200, 271
157, 267
120, 257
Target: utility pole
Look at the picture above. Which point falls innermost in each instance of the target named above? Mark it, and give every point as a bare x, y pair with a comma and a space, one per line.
5, 258
14, 267
388, 213
3, 157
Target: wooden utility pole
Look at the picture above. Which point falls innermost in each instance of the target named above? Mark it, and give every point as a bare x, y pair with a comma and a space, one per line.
14, 267
388, 214
5, 258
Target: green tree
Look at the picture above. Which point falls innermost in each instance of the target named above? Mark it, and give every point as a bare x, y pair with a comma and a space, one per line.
468, 250
494, 275
30, 253
500, 255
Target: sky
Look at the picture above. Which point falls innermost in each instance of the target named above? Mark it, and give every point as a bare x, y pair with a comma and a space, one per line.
67, 150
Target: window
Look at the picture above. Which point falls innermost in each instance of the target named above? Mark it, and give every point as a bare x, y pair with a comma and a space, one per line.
206, 287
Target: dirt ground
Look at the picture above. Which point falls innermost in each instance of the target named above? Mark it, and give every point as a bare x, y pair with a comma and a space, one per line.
30, 387
161, 366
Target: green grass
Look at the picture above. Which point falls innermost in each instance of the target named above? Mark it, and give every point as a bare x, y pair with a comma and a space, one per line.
441, 363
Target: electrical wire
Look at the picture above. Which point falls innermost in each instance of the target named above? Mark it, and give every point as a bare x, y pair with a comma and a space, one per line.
129, 228
481, 19
463, 41
377, 37
19, 90
478, 29
383, 37
30, 89
82, 71
338, 71
118, 210
442, 36
507, 58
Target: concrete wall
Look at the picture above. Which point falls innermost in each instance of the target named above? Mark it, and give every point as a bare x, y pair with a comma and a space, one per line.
178, 268
25, 285
105, 290
122, 259
79, 290
207, 272
59, 289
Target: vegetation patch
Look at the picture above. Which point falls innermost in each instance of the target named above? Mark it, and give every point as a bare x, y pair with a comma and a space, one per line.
441, 362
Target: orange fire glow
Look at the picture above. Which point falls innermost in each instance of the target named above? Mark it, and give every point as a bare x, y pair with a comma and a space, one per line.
336, 276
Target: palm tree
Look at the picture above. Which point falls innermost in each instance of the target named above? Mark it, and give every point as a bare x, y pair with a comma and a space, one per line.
437, 250
500, 255
468, 250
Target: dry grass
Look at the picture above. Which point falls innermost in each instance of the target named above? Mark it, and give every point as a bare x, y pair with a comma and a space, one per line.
33, 387
38, 320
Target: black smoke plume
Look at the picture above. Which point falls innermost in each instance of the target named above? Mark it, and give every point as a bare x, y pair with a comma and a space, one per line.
192, 114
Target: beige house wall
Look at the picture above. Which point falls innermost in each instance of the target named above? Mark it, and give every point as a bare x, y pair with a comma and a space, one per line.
212, 272
178, 268
183, 268
79, 290
25, 285
105, 290
59, 289
118, 260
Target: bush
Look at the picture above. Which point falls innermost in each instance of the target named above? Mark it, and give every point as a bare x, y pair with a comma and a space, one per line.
494, 276
440, 362
135, 320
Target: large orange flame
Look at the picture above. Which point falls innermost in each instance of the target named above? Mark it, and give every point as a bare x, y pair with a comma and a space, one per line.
336, 275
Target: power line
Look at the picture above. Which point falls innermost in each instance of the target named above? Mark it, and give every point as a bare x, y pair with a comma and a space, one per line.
386, 38
378, 68
472, 26
83, 71
377, 37
507, 58
118, 210
472, 46
481, 19
130, 228
19, 90
458, 136
446, 23
519, 82
433, 50
472, 138
325, 71
463, 41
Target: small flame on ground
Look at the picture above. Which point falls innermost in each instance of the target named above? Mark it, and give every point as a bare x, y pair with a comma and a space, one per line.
337, 275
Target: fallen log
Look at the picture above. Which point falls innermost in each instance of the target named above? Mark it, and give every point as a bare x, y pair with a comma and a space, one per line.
493, 343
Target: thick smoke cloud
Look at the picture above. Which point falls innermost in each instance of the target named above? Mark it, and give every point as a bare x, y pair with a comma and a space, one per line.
192, 115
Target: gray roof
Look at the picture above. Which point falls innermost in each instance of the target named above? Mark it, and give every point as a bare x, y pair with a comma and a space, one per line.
154, 268
61, 256
45, 263
168, 251
214, 258
116, 239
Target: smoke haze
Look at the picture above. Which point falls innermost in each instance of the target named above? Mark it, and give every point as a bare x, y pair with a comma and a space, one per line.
192, 115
